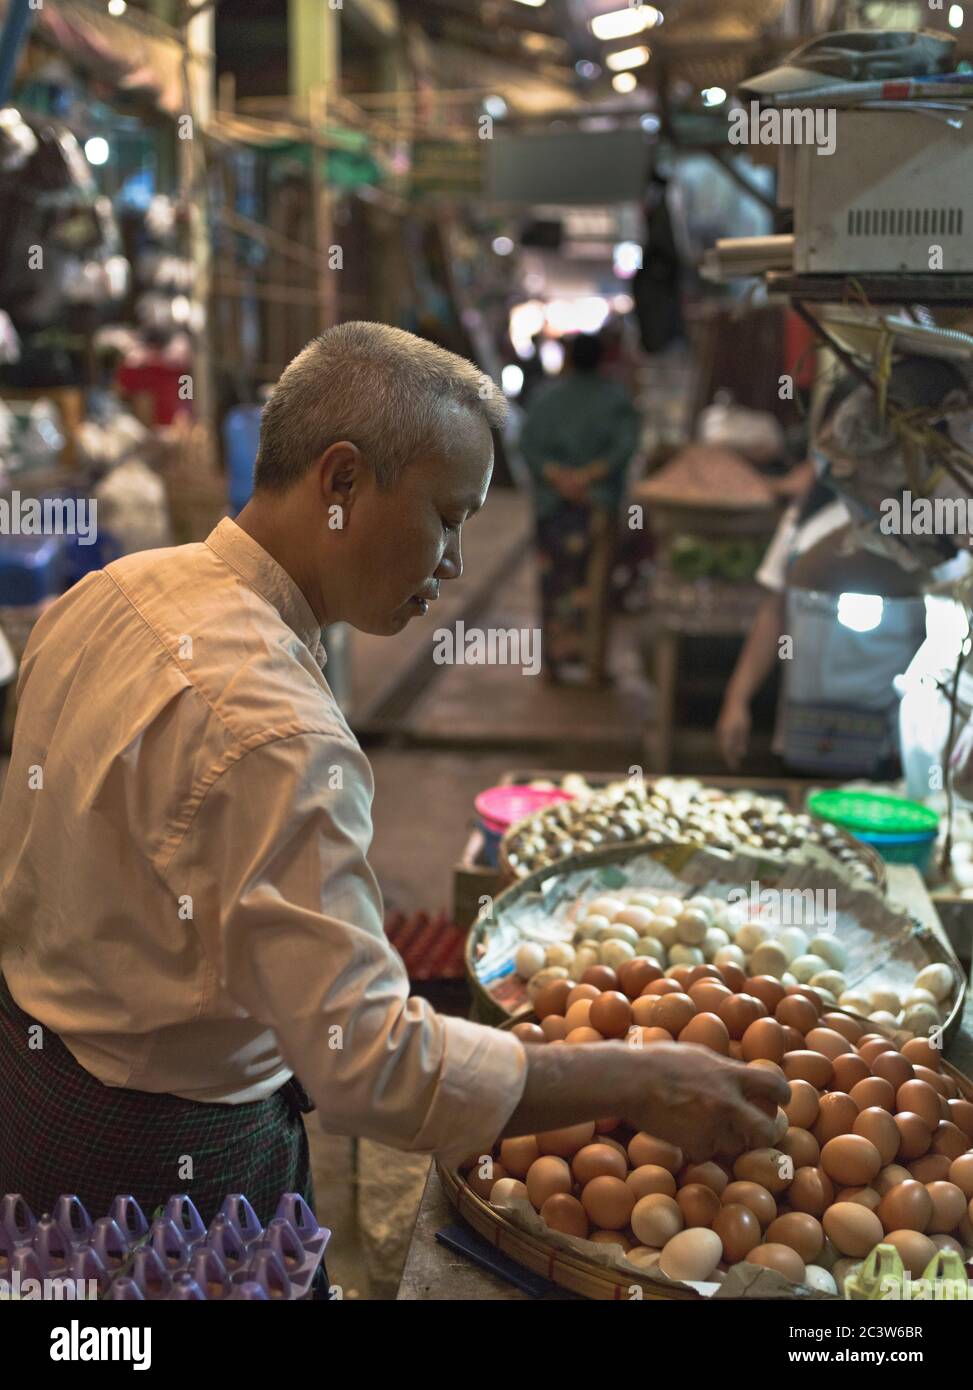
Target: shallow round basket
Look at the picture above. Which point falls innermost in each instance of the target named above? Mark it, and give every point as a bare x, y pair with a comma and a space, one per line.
488, 1009
565, 1268
863, 851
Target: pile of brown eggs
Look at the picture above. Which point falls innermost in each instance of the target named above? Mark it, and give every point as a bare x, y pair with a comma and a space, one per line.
875, 1144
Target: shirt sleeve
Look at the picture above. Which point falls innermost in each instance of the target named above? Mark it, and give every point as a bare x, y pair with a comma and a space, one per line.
772, 573
290, 915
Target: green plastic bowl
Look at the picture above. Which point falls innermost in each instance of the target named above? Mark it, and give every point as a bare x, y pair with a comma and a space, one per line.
902, 832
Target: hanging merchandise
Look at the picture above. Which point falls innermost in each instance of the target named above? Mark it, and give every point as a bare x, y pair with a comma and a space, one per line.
657, 284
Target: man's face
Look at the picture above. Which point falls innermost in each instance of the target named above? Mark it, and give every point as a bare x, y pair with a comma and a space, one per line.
403, 543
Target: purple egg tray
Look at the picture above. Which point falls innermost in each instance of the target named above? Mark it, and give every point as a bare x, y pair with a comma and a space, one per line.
174, 1258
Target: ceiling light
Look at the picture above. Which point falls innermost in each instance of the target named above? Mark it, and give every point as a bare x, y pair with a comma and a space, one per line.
495, 106
97, 150
117, 7
628, 58
502, 246
956, 16
620, 24
625, 82
713, 96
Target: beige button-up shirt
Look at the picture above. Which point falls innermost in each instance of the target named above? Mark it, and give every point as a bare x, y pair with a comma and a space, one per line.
184, 891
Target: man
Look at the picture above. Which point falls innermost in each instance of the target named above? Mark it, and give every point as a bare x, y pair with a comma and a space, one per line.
187, 912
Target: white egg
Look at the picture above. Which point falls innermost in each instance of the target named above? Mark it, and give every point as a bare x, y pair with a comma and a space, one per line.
664, 930
803, 967
669, 906
639, 918
856, 1003
938, 979
506, 1191
560, 953
706, 905
794, 942
615, 953
962, 852
730, 955
713, 940
788, 979
649, 946
885, 1001
920, 1018
817, 1278
618, 931
691, 1255
682, 954
963, 874
750, 935
642, 899
592, 925
692, 926
585, 956
770, 958
529, 958
883, 1016
830, 980
918, 996
829, 948
605, 907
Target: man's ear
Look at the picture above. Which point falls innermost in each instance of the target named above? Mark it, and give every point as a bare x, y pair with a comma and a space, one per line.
340, 472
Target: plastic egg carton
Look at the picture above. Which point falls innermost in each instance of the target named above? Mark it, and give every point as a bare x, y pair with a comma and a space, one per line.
175, 1257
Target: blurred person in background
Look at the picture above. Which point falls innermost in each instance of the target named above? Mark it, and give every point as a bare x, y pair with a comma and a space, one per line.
579, 437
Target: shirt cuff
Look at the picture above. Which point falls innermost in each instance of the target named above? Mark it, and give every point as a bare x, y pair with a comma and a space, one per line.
484, 1072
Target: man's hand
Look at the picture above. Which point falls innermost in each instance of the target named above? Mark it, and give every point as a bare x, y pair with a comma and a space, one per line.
705, 1103
733, 731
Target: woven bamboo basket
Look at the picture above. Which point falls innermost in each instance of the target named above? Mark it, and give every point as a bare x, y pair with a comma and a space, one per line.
565, 1268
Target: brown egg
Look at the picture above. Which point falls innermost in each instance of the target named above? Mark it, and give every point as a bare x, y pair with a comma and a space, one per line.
738, 1229
581, 992
708, 995
656, 1219
889, 1177
517, 1155
708, 1031
879, 1128
893, 1067
873, 1048
811, 1191
949, 1139
643, 1010
921, 1099
797, 1012
830, 1043
673, 1012
808, 1066
562, 1212
873, 1091
663, 986
738, 1012
649, 1178
837, 1115
734, 978
643, 1148
553, 998
852, 1228
866, 1196
932, 1078
601, 976
611, 1014
579, 1014
752, 1195
768, 1167
961, 1173
781, 1258
808, 993
849, 1069
554, 1027
800, 1232
566, 1142
802, 1108
700, 1204
907, 1207
915, 1135
598, 1161
768, 1065
921, 1051
793, 1039
681, 974
802, 1147
608, 1202
851, 1160
584, 1035
916, 1250
949, 1205
765, 988
849, 1028
635, 974
961, 1114
930, 1168
481, 1184
655, 1035
711, 1175
528, 1033
764, 1039
703, 972
611, 1238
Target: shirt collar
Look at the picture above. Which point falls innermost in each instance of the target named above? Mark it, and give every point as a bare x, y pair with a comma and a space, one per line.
262, 572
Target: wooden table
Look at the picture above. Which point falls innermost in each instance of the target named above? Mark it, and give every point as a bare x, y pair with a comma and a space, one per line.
434, 1273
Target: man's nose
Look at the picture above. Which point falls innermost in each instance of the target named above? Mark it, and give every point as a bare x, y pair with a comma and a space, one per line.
451, 565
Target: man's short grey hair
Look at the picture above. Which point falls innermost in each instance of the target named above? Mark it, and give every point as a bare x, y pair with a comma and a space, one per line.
378, 387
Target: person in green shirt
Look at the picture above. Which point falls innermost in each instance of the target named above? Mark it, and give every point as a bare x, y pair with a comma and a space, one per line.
580, 434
